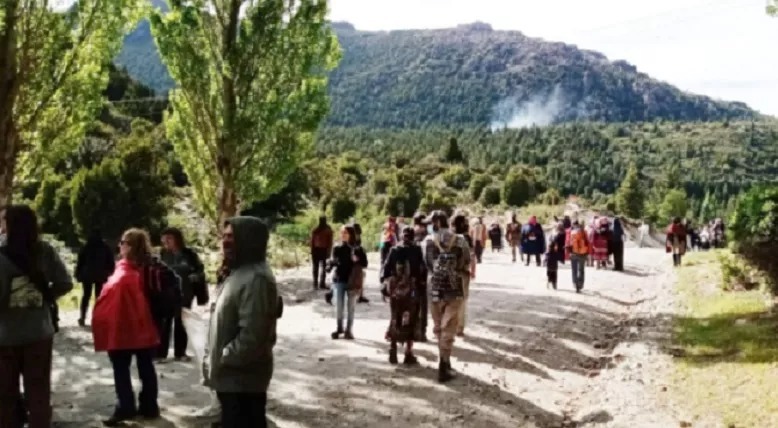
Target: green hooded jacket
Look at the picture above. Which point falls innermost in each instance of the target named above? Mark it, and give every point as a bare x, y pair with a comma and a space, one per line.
243, 320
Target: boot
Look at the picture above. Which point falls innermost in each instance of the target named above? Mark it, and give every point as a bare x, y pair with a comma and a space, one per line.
349, 335
444, 372
336, 334
393, 354
410, 359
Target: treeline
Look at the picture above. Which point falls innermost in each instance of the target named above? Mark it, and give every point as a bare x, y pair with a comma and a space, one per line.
711, 162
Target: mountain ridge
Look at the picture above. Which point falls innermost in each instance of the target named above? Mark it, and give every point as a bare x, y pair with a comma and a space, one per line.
473, 75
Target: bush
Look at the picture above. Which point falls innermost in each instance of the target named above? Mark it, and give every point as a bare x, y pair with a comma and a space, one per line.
519, 187
674, 204
753, 230
342, 209
52, 204
551, 197
491, 196
129, 191
439, 199
478, 184
457, 177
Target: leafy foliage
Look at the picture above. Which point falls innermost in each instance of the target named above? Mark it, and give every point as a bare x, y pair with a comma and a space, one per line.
673, 205
252, 90
54, 72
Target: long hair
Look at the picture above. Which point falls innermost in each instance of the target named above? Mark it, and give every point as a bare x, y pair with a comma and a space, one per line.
140, 246
352, 234
23, 244
178, 236
460, 224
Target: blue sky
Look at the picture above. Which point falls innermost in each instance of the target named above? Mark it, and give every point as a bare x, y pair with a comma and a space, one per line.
727, 49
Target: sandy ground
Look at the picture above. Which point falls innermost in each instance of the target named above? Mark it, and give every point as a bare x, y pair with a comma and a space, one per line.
532, 357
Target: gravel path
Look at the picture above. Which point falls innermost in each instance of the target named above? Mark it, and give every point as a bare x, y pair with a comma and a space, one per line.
532, 357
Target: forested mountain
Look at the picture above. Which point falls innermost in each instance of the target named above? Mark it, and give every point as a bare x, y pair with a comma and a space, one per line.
718, 158
474, 76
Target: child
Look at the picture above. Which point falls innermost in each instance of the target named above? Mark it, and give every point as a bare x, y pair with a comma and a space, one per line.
552, 263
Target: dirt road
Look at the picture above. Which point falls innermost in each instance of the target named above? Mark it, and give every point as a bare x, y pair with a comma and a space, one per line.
531, 357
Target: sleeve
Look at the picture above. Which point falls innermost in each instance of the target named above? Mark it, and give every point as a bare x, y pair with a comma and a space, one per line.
542, 239
199, 268
79, 266
256, 316
56, 273
465, 255
429, 253
387, 270
362, 256
110, 261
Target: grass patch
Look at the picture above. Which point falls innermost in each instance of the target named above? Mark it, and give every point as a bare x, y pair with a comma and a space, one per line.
728, 347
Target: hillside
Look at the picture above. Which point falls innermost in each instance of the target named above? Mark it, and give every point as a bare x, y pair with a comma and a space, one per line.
473, 75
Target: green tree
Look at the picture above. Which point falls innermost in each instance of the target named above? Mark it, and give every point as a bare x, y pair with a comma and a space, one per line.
674, 204
630, 199
252, 90
490, 196
53, 70
452, 152
478, 184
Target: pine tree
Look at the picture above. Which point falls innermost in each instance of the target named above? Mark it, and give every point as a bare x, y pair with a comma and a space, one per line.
453, 154
630, 198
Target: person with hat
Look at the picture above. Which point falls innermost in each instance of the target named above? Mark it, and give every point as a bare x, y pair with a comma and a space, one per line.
447, 257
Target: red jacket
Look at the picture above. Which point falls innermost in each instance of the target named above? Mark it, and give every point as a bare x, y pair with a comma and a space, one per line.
122, 318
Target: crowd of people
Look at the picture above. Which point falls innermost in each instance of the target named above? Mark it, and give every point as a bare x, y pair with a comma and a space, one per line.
425, 272
136, 315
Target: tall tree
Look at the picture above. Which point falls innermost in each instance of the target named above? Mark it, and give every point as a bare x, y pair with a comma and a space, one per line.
53, 70
630, 199
252, 90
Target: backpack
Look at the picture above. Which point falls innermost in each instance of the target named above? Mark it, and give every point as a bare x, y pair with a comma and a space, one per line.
401, 283
163, 289
579, 243
444, 278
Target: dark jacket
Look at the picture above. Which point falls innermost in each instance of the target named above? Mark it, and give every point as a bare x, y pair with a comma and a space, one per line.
533, 240
403, 253
618, 231
242, 330
95, 263
25, 315
187, 265
342, 263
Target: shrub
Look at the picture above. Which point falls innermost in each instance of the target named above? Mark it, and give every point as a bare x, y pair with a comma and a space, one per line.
439, 199
457, 177
491, 196
52, 204
478, 184
131, 190
551, 197
341, 209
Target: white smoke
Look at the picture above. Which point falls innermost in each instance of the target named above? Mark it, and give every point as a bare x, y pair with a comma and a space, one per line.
540, 110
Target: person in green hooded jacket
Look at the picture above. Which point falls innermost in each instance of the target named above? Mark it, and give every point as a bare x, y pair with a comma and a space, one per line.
243, 326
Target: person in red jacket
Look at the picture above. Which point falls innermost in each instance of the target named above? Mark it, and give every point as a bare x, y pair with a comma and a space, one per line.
122, 324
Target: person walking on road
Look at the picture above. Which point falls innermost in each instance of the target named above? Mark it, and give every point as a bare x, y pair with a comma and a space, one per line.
404, 276
94, 265
478, 237
321, 250
461, 228
513, 236
447, 256
578, 243
676, 240
533, 240
617, 241
349, 261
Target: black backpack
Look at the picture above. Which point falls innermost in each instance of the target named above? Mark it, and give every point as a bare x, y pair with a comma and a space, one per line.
163, 289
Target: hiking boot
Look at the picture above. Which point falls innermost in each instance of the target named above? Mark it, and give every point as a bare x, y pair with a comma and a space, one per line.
363, 299
336, 334
444, 372
118, 418
349, 335
328, 297
81, 322
410, 360
393, 356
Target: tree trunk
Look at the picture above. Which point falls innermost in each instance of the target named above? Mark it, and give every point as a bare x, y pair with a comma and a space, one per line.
228, 203
9, 89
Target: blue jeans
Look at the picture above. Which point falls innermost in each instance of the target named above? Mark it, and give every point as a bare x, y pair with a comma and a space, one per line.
578, 264
342, 296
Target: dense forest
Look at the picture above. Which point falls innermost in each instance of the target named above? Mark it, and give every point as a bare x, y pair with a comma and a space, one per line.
473, 76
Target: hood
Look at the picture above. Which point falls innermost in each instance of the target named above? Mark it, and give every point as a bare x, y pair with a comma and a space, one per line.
251, 236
